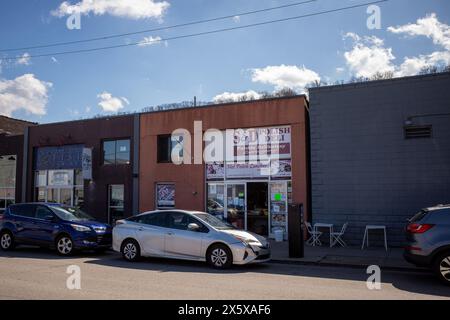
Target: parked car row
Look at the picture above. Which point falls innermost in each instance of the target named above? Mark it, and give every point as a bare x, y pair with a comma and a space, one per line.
191, 235
178, 234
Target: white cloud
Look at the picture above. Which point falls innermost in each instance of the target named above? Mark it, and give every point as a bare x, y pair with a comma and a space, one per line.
433, 29
133, 9
24, 59
236, 19
340, 70
429, 27
368, 56
148, 41
87, 109
412, 66
234, 97
284, 76
24, 93
108, 103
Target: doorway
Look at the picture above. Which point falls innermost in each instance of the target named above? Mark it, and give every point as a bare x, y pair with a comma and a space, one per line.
257, 208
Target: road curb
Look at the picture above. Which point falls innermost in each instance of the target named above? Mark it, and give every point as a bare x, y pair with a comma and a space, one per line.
347, 265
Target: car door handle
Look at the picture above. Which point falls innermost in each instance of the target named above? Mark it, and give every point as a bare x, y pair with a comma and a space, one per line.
141, 229
169, 233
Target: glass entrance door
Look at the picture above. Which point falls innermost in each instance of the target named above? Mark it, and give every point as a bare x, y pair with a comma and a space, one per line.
236, 205
258, 208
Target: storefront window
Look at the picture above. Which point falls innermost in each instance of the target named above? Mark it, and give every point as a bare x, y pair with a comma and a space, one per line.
7, 181
41, 178
41, 194
257, 193
165, 195
116, 202
78, 199
59, 186
52, 195
278, 205
65, 196
216, 196
79, 177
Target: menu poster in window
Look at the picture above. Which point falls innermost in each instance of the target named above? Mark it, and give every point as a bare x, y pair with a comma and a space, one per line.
165, 195
215, 170
60, 177
280, 168
278, 219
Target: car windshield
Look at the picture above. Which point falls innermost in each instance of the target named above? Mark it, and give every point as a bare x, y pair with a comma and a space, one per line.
213, 221
71, 214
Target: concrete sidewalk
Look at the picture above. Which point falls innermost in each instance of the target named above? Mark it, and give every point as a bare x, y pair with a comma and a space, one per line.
349, 256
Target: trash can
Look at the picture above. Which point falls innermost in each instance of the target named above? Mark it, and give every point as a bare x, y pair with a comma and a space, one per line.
279, 234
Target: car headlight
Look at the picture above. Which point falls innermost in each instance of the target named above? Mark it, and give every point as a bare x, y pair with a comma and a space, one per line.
79, 228
245, 241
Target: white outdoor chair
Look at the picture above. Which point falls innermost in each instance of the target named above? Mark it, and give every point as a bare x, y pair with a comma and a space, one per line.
337, 236
314, 235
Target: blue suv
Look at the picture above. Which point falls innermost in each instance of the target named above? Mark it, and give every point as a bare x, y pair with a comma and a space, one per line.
52, 225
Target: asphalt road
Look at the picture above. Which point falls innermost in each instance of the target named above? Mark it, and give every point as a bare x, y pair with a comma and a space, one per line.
30, 273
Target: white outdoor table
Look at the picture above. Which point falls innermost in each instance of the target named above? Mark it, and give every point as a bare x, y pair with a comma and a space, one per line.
325, 225
374, 227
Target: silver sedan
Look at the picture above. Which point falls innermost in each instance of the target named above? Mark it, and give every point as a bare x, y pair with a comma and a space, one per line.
188, 235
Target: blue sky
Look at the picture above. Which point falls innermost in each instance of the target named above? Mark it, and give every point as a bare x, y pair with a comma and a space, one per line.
329, 47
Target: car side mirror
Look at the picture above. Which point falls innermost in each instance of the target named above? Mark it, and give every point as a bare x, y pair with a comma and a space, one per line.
193, 227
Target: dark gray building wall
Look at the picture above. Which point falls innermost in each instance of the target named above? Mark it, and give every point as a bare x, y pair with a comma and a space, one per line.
363, 170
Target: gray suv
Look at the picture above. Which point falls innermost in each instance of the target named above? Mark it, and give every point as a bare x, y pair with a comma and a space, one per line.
428, 240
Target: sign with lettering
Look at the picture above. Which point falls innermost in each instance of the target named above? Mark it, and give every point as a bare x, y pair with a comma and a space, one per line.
55, 158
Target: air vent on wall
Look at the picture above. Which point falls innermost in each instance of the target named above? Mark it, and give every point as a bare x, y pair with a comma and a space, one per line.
415, 132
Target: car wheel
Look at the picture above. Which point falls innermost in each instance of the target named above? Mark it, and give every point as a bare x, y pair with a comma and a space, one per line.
442, 267
131, 250
6, 241
64, 245
219, 256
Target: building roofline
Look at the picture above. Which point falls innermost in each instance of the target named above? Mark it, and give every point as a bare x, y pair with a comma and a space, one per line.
213, 105
88, 119
379, 82
225, 104
18, 120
